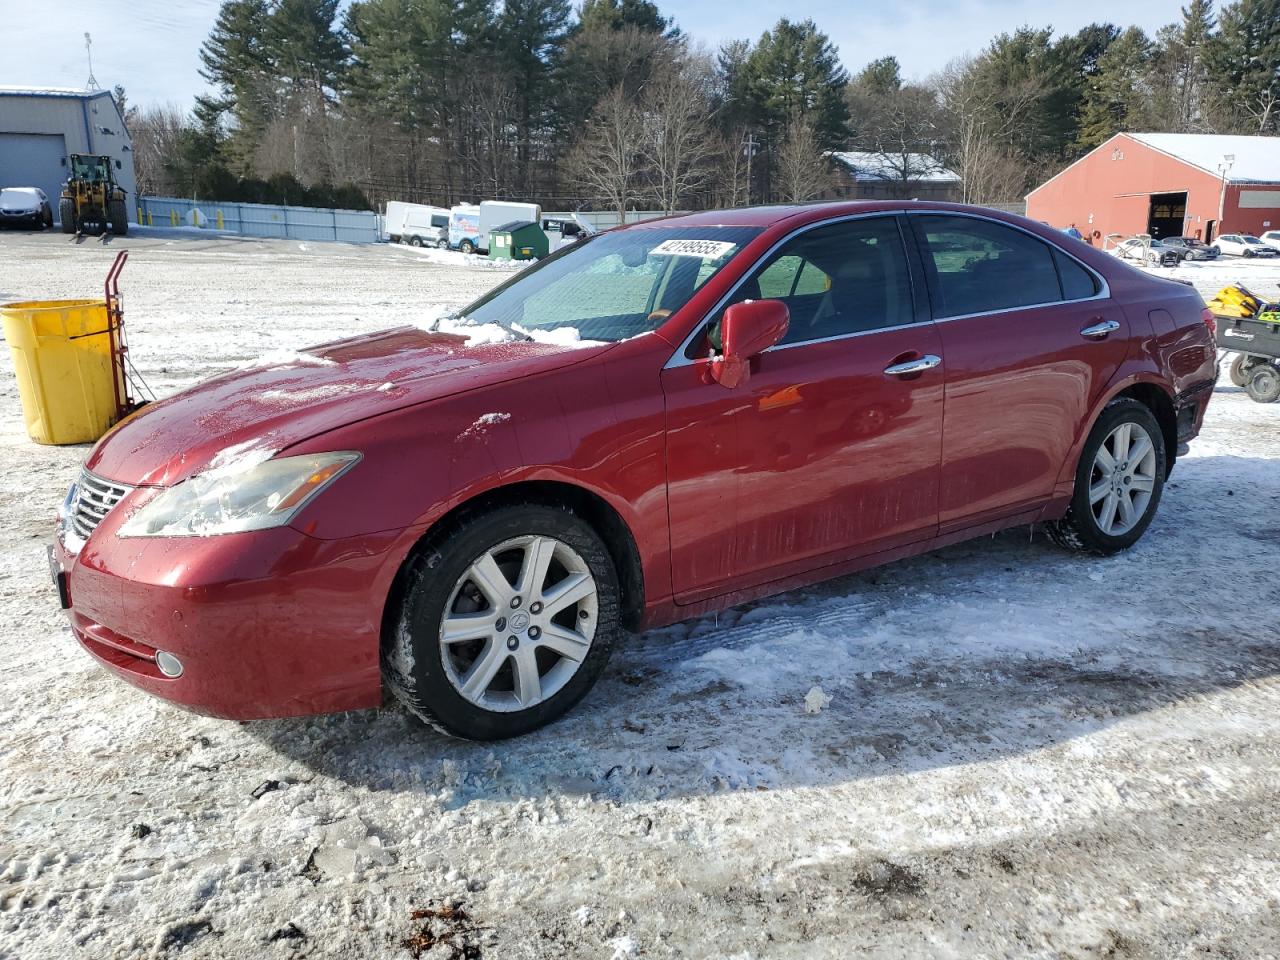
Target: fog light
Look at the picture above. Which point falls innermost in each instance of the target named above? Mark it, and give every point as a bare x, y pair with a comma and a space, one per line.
169, 665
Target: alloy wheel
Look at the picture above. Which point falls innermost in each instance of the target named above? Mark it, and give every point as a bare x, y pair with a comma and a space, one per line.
519, 622
1123, 478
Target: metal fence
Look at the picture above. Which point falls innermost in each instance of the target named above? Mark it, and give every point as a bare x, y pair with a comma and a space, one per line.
262, 220
308, 223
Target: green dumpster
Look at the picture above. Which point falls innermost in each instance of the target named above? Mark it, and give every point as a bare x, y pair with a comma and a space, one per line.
518, 240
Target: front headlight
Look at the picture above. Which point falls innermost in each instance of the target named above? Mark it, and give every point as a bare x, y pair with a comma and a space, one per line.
268, 494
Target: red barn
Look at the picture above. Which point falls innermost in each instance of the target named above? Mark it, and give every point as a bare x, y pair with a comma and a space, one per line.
1166, 184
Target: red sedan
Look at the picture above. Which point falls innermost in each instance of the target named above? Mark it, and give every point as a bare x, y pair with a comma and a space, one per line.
653, 423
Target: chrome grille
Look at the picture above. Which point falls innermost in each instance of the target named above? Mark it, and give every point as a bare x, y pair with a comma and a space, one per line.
94, 499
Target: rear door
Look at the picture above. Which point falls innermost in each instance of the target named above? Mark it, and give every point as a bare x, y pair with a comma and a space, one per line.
1030, 339
823, 453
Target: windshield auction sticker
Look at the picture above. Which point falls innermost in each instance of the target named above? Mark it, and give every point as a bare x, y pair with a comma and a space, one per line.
704, 249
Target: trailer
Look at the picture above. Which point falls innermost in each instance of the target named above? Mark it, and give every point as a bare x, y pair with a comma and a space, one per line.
1256, 344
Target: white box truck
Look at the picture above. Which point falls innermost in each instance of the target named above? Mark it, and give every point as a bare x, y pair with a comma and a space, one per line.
417, 224
498, 213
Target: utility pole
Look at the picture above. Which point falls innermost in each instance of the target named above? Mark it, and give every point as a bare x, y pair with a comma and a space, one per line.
92, 83
1228, 160
749, 147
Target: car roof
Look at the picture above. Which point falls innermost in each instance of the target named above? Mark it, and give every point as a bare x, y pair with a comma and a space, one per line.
798, 214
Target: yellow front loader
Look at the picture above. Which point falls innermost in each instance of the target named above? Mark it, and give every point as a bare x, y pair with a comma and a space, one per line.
91, 198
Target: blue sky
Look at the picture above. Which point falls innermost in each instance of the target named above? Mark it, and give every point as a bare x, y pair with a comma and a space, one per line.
150, 45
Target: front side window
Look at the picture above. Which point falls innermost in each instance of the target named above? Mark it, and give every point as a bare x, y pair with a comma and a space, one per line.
613, 286
981, 266
844, 278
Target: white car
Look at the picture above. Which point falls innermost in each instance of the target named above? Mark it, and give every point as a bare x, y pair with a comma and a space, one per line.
25, 206
1271, 238
1142, 250
1244, 245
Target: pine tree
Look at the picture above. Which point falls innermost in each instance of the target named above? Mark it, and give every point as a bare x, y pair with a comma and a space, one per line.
1117, 94
1243, 67
794, 72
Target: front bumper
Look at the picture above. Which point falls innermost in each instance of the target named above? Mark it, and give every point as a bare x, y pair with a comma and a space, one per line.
34, 219
273, 623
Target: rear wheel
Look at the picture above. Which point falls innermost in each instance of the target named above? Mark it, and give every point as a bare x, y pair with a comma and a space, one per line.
1118, 482
415, 241
67, 214
466, 246
506, 622
1264, 384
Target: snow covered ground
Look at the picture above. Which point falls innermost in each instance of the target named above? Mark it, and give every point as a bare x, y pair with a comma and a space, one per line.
1011, 751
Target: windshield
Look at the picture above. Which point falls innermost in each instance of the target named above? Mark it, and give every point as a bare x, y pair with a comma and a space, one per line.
18, 197
612, 286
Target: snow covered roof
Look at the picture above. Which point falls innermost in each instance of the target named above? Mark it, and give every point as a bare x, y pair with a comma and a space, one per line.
1257, 159
865, 165
50, 92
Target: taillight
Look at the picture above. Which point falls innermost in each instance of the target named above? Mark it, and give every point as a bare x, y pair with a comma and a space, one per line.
1210, 321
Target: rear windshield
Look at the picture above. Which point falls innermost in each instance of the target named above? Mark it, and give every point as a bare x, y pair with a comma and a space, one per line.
613, 286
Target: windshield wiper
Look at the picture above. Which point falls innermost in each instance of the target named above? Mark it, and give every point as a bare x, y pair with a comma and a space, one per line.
459, 318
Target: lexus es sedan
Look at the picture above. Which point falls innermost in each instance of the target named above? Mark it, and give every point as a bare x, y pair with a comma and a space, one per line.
653, 423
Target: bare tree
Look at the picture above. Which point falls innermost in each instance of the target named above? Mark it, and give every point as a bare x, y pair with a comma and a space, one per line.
902, 128
677, 137
608, 160
157, 145
985, 120
803, 171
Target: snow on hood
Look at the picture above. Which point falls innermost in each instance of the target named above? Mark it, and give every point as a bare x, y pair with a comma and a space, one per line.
19, 198
259, 409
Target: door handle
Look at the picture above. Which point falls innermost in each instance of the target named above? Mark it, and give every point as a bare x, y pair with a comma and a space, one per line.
1099, 330
927, 362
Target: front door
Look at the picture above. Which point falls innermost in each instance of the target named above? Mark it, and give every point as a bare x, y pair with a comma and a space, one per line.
821, 454
1030, 344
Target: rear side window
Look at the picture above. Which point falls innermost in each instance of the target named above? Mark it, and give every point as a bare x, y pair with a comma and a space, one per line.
1077, 282
981, 266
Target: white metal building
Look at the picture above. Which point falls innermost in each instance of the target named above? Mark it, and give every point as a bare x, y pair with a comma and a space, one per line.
41, 126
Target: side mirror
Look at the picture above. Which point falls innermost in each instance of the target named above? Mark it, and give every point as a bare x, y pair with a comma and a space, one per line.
747, 330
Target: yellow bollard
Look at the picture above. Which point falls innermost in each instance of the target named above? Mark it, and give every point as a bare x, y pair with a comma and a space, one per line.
173, 218
140, 215
151, 220
219, 220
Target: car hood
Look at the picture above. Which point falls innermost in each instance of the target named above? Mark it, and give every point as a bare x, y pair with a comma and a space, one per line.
257, 411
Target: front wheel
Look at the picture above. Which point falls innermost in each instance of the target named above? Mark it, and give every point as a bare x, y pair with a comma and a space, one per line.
1118, 482
442, 244
67, 215
1239, 371
506, 622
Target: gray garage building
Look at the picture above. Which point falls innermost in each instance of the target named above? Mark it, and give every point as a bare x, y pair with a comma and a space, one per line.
40, 127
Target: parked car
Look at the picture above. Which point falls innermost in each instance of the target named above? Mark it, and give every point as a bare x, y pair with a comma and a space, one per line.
1190, 248
1243, 245
683, 415
1144, 249
25, 206
1271, 238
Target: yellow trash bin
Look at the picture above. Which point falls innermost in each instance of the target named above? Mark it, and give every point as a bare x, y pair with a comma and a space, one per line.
62, 358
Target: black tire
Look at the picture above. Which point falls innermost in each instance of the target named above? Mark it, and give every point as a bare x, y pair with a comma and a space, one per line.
415, 241
119, 217
47, 219
466, 246
442, 244
1239, 369
1079, 530
412, 659
1264, 384
67, 214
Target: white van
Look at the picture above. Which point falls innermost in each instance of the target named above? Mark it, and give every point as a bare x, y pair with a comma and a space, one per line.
464, 228
417, 224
